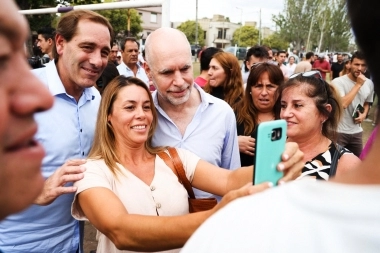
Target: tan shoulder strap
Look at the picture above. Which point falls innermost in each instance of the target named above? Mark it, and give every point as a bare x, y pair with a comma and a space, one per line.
175, 163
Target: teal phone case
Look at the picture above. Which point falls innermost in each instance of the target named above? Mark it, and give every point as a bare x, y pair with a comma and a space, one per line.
268, 151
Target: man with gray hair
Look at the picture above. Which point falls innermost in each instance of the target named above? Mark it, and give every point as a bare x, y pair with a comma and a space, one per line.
187, 116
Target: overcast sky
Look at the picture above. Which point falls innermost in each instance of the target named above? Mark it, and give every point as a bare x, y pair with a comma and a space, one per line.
182, 10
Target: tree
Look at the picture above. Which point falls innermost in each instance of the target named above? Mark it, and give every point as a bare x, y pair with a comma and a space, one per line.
245, 36
309, 23
118, 19
188, 28
41, 20
276, 41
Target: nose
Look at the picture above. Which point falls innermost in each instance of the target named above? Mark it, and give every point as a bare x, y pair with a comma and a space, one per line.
96, 59
209, 72
178, 79
264, 91
31, 95
140, 113
285, 112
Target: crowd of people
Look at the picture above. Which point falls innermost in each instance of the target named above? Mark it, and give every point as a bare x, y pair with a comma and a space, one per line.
86, 138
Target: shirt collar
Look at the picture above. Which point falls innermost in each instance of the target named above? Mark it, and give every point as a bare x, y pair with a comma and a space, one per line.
56, 86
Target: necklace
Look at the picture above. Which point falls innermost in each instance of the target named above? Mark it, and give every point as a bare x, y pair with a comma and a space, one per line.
265, 119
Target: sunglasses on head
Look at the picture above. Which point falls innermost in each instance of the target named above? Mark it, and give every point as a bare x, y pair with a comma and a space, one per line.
311, 73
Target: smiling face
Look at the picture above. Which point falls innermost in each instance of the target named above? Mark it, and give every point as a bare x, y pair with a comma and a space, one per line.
301, 114
216, 74
264, 94
131, 116
83, 58
169, 65
21, 180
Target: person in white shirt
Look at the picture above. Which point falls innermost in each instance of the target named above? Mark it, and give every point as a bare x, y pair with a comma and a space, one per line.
342, 215
130, 62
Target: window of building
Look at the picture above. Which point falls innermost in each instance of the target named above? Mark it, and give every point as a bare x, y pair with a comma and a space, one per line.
153, 17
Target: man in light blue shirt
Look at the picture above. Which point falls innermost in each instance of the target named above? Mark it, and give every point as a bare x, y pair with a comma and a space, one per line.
187, 116
129, 65
66, 132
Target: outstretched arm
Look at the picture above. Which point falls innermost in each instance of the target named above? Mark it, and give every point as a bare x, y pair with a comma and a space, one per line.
142, 232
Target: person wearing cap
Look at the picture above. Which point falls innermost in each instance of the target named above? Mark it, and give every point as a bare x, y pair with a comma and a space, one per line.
322, 65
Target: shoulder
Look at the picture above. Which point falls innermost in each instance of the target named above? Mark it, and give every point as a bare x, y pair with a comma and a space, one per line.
95, 164
348, 161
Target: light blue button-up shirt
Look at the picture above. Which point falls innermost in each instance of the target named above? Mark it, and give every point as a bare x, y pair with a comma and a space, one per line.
211, 134
126, 71
66, 131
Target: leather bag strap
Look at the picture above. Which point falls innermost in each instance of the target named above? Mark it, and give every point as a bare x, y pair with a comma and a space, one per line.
175, 163
334, 160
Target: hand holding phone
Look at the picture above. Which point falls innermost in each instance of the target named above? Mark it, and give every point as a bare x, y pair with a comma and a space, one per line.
358, 108
270, 144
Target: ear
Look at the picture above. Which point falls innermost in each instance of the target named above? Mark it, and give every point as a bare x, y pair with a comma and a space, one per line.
147, 70
50, 41
329, 109
247, 65
60, 43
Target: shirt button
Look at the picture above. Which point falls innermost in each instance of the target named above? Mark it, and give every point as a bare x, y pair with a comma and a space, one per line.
152, 188
158, 205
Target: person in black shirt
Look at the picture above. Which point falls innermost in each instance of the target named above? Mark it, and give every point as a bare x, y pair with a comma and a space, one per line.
337, 67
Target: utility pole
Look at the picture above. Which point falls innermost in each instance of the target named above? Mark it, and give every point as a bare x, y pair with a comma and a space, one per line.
260, 28
196, 22
241, 23
196, 30
129, 23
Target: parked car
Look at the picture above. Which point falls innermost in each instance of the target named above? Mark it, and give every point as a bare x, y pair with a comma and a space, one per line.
239, 52
195, 49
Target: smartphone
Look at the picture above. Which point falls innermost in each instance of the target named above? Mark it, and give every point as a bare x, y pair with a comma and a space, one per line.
358, 108
270, 144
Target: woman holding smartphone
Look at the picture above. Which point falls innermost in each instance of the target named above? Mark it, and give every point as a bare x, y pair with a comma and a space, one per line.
131, 196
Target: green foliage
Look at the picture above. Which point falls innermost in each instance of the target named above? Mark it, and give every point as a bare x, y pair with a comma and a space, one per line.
188, 28
325, 20
119, 19
276, 41
245, 36
37, 21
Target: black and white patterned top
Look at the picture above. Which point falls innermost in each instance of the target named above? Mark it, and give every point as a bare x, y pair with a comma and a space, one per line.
319, 166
